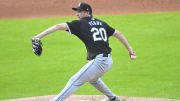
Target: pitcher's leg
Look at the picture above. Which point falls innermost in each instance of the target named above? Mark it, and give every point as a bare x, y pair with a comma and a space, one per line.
99, 84
74, 82
68, 90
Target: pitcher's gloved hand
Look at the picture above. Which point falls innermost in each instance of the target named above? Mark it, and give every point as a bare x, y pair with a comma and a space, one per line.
36, 46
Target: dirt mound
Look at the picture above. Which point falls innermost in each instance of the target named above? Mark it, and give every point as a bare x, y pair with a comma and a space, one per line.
90, 98
55, 8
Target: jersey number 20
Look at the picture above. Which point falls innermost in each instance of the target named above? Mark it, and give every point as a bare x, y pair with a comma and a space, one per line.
99, 34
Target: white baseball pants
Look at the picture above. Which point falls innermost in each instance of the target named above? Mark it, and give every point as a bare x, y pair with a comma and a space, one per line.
91, 73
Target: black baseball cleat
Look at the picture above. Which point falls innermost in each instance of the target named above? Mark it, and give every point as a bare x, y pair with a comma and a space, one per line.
113, 99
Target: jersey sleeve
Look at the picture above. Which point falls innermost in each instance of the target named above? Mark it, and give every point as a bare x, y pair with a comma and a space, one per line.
110, 30
73, 27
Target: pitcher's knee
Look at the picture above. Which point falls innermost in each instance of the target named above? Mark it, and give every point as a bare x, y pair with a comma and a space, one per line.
95, 81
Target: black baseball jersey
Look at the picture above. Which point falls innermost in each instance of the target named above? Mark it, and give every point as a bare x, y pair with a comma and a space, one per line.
94, 33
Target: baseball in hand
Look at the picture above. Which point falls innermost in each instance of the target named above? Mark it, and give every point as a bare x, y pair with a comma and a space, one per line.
133, 57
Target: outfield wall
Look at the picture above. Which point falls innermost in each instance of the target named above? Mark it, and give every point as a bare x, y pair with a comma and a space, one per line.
54, 8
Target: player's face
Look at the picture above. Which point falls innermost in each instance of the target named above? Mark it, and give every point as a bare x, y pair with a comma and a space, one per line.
82, 14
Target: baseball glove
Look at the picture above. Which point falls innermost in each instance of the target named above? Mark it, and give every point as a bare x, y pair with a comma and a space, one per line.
36, 46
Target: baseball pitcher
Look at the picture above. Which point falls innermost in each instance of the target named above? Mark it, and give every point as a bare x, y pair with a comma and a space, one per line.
94, 33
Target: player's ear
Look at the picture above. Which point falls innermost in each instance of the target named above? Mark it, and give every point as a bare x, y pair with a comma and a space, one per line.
88, 13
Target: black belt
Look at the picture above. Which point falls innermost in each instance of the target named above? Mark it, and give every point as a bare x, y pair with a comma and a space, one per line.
105, 55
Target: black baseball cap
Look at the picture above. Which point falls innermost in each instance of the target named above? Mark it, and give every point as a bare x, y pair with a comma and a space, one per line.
83, 7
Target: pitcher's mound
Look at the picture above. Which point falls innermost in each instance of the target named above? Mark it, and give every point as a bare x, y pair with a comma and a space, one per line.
90, 98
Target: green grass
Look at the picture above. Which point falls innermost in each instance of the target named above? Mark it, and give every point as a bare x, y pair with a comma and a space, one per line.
155, 73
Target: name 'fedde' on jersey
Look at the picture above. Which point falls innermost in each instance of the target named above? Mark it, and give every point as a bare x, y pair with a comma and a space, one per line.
92, 23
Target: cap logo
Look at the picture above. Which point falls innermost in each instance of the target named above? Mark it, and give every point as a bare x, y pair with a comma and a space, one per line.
79, 5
